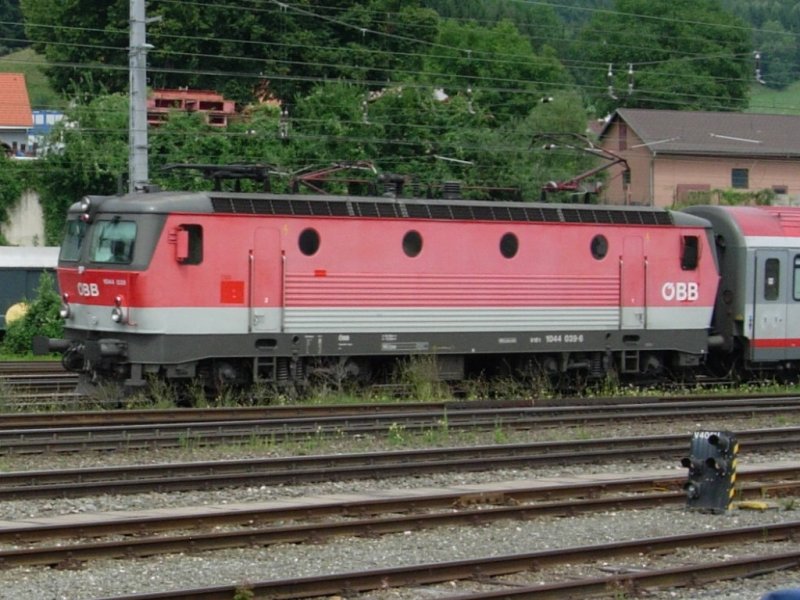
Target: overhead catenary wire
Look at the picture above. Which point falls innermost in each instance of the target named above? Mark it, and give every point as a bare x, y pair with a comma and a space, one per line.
509, 90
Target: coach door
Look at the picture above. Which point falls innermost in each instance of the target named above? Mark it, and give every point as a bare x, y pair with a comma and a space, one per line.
769, 306
266, 281
632, 284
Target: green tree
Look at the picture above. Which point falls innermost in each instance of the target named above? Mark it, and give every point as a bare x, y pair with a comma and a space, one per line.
279, 48
778, 52
685, 55
89, 156
12, 32
12, 184
539, 23
85, 42
497, 67
41, 318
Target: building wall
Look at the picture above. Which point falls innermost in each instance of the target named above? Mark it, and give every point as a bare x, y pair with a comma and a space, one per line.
662, 179
630, 147
25, 225
716, 172
17, 138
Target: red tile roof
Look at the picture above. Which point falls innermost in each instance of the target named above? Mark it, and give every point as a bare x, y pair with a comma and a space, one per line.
15, 108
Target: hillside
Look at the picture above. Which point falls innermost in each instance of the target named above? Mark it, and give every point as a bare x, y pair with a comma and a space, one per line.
785, 102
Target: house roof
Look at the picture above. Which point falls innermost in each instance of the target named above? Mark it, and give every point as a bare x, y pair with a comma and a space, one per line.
712, 133
15, 108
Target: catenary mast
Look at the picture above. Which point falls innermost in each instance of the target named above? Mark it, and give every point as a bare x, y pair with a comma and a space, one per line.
137, 128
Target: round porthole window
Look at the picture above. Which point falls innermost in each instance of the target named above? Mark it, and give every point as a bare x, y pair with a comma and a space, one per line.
599, 247
509, 245
412, 243
309, 241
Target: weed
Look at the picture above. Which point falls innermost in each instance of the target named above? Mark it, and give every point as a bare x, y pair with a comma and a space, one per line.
397, 434
243, 593
499, 433
420, 374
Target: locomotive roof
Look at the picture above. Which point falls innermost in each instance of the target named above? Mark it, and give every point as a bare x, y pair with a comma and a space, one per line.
388, 207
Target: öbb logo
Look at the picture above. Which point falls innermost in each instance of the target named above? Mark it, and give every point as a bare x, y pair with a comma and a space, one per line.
88, 289
680, 291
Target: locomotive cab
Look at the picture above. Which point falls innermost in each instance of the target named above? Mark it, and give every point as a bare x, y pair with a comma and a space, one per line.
106, 248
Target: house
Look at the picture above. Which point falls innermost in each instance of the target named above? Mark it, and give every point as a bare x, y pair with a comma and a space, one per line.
43, 122
217, 110
15, 113
671, 154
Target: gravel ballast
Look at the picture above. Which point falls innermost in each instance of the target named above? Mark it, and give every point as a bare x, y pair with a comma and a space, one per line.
240, 566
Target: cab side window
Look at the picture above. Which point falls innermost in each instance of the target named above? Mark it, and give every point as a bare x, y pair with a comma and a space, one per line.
690, 252
195, 256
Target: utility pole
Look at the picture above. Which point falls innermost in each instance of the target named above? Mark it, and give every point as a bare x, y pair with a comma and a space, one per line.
137, 128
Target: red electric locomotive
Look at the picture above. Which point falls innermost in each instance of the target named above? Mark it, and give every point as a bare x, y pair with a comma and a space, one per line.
244, 287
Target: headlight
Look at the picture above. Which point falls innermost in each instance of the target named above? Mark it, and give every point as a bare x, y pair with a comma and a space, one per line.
64, 311
86, 210
118, 313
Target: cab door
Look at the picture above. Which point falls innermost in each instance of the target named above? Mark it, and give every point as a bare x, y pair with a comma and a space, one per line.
632, 284
266, 281
770, 305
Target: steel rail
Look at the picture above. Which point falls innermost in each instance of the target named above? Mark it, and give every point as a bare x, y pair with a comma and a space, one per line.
633, 583
620, 409
255, 534
421, 574
169, 434
339, 467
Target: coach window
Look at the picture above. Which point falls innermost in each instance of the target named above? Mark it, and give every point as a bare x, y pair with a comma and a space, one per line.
412, 243
599, 247
509, 245
309, 241
690, 251
772, 282
797, 277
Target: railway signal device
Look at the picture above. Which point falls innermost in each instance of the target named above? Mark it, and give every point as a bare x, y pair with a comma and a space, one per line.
712, 470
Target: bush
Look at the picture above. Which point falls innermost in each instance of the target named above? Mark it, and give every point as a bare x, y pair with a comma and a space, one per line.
41, 319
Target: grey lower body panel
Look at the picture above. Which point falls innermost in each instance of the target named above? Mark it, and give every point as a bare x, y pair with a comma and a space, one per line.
176, 349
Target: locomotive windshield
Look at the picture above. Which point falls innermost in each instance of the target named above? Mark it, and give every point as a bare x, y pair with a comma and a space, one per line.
112, 241
73, 240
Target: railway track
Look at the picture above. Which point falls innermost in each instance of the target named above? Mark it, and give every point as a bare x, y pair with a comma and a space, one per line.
339, 467
130, 430
37, 383
304, 521
482, 569
485, 568
71, 545
313, 522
